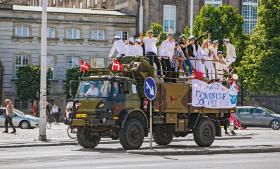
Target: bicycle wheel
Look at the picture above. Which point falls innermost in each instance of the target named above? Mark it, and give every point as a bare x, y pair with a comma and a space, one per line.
72, 132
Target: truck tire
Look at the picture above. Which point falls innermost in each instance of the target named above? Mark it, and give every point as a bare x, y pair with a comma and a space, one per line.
132, 135
162, 136
204, 132
87, 138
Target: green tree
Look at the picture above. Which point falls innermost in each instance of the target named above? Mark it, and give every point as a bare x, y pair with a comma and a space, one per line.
72, 82
260, 68
28, 83
187, 31
221, 22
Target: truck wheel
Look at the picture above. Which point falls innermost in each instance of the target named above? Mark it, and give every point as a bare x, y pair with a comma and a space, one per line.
162, 136
204, 132
87, 138
132, 135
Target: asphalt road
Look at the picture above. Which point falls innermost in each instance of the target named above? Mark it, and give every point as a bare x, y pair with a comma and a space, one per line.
109, 158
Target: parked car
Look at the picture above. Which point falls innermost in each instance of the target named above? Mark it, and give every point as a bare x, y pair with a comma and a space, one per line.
20, 119
250, 116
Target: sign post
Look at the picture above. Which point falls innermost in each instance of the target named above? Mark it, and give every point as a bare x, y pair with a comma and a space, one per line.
150, 90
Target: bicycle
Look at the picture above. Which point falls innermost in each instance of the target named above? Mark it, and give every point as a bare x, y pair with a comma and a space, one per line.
72, 132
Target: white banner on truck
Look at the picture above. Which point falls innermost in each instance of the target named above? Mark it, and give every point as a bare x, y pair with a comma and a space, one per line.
213, 95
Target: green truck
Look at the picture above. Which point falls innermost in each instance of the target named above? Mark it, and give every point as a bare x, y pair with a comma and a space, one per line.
112, 104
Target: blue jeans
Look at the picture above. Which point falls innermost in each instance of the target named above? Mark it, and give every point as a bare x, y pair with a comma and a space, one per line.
188, 63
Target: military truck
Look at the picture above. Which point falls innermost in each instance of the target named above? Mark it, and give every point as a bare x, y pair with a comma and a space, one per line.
112, 104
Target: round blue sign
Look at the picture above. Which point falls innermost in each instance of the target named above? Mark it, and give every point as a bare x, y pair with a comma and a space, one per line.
150, 88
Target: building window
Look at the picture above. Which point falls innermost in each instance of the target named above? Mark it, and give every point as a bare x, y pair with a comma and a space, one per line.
81, 4
215, 3
97, 34
72, 62
169, 18
51, 32
73, 33
22, 31
21, 61
122, 34
53, 2
98, 62
51, 67
249, 13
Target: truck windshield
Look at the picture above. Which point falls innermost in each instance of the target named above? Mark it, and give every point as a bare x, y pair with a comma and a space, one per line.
94, 88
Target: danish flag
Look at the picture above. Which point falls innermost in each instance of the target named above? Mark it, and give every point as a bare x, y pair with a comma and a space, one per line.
198, 75
117, 66
84, 66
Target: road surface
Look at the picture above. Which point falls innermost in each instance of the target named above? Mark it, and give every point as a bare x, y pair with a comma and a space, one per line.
115, 158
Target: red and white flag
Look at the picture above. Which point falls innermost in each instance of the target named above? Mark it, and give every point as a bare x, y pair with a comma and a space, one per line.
84, 66
117, 66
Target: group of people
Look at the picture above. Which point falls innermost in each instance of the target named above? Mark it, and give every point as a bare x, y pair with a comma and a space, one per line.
182, 57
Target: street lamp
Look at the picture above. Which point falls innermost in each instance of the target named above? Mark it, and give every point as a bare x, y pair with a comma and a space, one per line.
191, 18
43, 80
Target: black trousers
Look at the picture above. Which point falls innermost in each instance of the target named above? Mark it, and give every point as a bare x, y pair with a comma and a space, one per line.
9, 120
56, 116
166, 67
154, 59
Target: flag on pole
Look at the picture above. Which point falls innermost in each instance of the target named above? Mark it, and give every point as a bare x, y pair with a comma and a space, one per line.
84, 66
117, 66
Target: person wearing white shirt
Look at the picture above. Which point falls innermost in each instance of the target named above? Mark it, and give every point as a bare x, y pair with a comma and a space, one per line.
151, 49
231, 54
130, 48
207, 61
138, 48
166, 51
93, 90
119, 46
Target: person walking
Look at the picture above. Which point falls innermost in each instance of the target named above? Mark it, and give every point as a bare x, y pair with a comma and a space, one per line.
166, 51
119, 46
231, 54
9, 116
151, 49
55, 112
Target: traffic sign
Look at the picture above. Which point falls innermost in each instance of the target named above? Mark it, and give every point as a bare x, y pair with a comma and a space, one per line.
150, 88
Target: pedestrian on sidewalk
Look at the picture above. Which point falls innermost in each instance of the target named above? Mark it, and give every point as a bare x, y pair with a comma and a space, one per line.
9, 116
55, 112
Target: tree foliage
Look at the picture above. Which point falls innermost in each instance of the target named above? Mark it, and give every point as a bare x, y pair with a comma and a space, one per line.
28, 83
72, 82
221, 22
260, 66
186, 31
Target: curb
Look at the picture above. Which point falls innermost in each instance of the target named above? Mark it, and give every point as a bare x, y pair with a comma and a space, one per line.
43, 144
238, 150
19, 145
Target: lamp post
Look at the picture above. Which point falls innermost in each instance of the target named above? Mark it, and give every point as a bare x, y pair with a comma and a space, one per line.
191, 18
43, 79
141, 16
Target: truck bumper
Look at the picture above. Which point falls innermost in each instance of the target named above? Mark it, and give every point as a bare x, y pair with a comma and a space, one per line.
92, 122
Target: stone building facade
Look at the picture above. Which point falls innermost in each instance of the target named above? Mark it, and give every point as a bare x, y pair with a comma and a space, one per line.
175, 14
73, 34
172, 14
